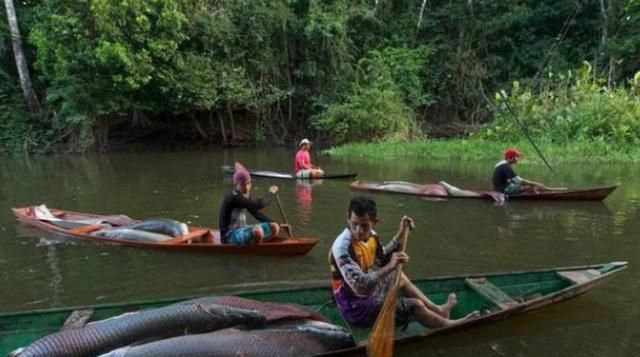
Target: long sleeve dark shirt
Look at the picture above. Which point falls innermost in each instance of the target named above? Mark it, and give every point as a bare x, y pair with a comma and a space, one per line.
232, 211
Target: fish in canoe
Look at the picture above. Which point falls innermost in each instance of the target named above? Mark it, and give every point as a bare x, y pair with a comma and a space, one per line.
165, 328
497, 295
445, 190
158, 234
273, 174
294, 339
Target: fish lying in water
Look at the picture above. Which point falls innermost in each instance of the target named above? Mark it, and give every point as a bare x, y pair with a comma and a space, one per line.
295, 340
174, 320
162, 225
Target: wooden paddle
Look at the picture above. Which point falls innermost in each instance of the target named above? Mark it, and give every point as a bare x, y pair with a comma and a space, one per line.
380, 342
284, 218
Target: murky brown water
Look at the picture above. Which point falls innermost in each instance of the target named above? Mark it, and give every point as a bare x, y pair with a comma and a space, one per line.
452, 237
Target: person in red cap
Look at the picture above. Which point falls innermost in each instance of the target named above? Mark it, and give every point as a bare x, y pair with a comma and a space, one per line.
233, 221
302, 165
506, 181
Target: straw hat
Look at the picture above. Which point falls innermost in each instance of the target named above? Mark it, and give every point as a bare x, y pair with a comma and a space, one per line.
304, 141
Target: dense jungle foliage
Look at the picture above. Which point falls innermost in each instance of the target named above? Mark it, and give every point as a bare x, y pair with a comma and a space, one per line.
201, 72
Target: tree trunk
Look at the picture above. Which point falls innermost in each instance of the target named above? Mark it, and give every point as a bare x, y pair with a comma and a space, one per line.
196, 124
33, 104
211, 125
232, 124
288, 70
223, 131
101, 130
603, 38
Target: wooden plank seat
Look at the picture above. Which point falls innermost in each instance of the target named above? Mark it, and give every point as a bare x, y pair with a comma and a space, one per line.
579, 276
490, 292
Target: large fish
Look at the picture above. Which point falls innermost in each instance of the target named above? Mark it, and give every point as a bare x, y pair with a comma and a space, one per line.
306, 339
162, 225
174, 320
271, 310
413, 188
132, 235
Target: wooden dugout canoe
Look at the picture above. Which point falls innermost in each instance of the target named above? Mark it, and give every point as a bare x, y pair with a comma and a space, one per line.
273, 174
199, 239
498, 295
439, 191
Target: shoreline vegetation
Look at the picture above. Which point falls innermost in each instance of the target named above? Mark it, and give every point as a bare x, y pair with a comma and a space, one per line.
480, 149
578, 119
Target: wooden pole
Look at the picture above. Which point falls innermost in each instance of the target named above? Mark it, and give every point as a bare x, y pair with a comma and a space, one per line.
524, 130
284, 218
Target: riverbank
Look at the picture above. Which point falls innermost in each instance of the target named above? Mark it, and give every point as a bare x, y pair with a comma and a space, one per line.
474, 149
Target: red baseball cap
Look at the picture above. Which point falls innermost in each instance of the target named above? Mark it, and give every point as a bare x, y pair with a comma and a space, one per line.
511, 153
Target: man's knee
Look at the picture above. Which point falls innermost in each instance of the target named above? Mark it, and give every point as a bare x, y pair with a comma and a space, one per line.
258, 232
275, 229
419, 304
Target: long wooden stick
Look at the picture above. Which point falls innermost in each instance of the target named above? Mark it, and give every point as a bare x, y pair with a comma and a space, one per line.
380, 342
284, 218
524, 130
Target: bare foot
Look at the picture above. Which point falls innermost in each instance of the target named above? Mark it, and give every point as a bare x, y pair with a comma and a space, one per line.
446, 308
470, 316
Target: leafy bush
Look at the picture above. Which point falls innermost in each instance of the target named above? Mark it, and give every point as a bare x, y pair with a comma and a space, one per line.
577, 107
383, 98
371, 113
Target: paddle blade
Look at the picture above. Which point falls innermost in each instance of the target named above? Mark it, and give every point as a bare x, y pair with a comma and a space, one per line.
381, 338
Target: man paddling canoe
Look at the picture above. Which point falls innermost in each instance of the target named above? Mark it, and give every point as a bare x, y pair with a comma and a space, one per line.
233, 220
505, 180
302, 165
359, 290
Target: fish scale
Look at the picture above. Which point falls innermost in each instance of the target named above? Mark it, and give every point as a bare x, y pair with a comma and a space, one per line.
271, 310
282, 342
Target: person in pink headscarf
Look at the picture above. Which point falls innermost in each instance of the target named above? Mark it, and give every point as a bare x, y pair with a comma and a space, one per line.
233, 221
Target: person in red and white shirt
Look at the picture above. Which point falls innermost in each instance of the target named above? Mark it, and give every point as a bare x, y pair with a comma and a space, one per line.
302, 165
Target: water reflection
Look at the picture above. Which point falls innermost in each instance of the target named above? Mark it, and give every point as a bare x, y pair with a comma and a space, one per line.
55, 285
304, 198
569, 220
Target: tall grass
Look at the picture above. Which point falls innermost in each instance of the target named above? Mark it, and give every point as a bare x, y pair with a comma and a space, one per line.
576, 117
474, 149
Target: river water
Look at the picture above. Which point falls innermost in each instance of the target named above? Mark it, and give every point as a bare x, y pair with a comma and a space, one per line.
452, 237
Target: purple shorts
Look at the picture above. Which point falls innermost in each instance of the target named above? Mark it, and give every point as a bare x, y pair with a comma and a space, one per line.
363, 310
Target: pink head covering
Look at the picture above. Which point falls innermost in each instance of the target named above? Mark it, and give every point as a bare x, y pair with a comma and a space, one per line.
241, 174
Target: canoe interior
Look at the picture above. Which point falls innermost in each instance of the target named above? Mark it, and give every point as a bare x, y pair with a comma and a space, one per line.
199, 239
529, 290
273, 174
